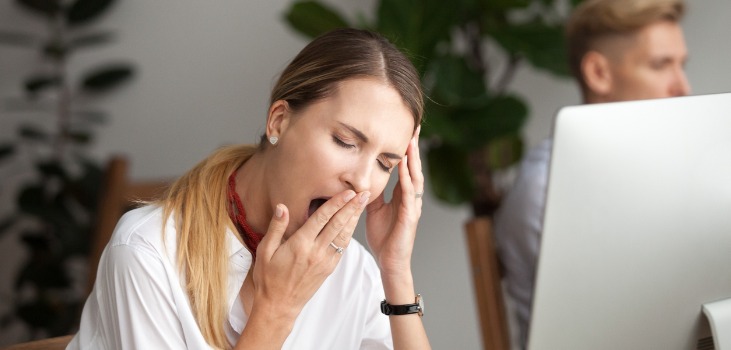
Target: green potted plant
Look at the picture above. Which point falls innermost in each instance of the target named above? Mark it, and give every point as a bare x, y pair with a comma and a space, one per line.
473, 121
55, 207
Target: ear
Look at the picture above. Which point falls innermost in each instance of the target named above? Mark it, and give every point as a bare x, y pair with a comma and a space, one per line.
597, 73
278, 118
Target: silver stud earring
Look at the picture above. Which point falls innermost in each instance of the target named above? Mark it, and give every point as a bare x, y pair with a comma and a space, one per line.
273, 140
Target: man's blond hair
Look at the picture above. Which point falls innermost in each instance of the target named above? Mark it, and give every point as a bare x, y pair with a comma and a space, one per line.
594, 20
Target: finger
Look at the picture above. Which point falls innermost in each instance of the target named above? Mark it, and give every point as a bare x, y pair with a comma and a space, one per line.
321, 217
343, 238
273, 238
339, 222
404, 179
415, 169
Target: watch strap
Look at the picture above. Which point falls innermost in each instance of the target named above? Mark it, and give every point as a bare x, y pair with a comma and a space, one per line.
406, 309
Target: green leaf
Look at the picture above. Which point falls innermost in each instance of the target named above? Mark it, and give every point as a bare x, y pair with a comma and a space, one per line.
36, 314
43, 272
501, 116
417, 26
107, 77
505, 151
91, 116
32, 200
449, 174
48, 8
24, 104
85, 189
81, 137
6, 150
17, 39
31, 132
85, 11
6, 224
52, 169
312, 18
36, 84
506, 4
455, 83
542, 45
93, 39
55, 50
438, 123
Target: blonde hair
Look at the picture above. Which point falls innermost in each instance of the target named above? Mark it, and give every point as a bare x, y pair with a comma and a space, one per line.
594, 20
198, 200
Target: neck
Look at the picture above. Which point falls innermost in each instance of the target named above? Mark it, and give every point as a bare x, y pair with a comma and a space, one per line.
251, 188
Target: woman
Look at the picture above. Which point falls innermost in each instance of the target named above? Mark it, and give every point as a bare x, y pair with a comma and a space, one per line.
252, 248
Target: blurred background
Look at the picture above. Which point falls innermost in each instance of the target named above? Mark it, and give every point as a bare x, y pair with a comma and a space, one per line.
164, 83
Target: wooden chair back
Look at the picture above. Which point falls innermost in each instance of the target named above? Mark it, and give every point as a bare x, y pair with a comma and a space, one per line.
118, 195
487, 280
58, 343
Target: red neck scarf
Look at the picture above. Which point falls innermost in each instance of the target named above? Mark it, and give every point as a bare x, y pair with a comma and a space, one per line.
238, 216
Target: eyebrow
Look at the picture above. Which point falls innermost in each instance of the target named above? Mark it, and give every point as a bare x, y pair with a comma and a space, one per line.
359, 134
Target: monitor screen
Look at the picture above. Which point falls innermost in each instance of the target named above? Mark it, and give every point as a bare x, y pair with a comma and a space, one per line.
637, 225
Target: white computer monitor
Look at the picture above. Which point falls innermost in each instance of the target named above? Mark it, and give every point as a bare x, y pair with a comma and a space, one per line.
637, 227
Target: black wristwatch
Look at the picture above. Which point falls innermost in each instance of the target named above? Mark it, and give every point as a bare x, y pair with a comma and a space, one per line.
417, 307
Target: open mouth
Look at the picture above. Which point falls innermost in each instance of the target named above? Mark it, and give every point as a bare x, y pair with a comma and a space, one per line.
315, 204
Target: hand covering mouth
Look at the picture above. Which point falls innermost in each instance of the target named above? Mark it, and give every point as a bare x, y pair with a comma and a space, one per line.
315, 204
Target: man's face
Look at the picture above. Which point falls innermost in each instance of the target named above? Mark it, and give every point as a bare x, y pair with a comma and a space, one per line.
649, 64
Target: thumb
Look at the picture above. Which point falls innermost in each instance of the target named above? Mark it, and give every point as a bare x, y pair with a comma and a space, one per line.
273, 238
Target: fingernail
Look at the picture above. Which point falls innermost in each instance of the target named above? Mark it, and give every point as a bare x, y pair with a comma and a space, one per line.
278, 212
364, 197
349, 196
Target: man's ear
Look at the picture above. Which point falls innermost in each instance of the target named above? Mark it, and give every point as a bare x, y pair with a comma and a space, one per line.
278, 118
597, 74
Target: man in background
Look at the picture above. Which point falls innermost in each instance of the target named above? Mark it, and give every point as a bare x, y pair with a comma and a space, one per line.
619, 50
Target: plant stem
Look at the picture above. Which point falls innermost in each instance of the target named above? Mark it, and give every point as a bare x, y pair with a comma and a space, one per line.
507, 75
475, 49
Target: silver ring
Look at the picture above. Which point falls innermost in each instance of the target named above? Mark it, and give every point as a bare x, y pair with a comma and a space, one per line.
419, 194
338, 250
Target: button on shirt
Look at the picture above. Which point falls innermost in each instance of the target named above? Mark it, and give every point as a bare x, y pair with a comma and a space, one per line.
139, 300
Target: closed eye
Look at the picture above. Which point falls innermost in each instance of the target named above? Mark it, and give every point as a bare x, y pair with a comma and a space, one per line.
660, 64
385, 167
342, 143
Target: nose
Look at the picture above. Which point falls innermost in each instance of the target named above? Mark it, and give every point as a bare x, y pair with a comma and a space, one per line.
358, 178
680, 86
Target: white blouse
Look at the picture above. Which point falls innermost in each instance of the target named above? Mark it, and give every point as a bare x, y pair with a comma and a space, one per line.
139, 300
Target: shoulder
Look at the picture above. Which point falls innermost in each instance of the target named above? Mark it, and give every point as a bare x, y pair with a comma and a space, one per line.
141, 230
524, 201
533, 172
138, 251
537, 159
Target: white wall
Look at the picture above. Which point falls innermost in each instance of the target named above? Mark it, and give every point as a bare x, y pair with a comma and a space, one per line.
204, 75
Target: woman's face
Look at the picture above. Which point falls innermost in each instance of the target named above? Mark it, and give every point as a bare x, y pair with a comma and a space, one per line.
353, 139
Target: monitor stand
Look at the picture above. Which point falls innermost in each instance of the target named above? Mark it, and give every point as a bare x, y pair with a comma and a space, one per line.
718, 314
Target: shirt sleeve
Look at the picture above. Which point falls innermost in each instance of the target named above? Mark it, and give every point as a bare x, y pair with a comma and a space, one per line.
136, 306
518, 228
